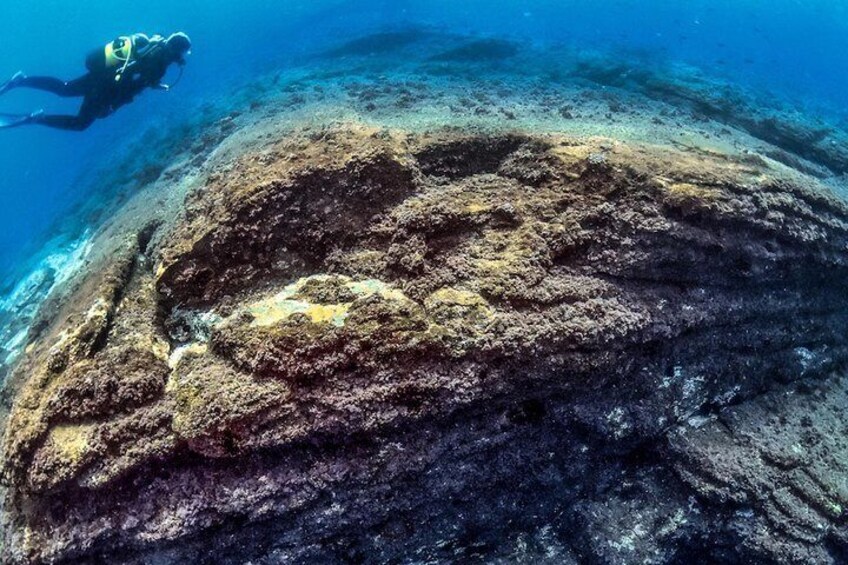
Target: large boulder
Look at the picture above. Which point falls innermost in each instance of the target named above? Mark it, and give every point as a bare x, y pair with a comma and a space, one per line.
369, 345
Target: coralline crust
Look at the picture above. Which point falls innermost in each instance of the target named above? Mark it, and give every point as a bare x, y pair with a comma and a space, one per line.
362, 344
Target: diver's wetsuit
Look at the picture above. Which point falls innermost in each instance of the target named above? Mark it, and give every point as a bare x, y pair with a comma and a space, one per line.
101, 93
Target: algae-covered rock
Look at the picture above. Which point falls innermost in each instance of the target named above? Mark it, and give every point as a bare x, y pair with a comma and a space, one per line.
321, 325
380, 346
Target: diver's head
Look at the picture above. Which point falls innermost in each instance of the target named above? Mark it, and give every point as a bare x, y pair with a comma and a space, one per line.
179, 45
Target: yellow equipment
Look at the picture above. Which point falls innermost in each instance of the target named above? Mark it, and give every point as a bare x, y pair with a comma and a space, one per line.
119, 53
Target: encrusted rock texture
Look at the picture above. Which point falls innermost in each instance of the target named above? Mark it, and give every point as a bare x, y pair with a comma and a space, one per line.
791, 133
364, 345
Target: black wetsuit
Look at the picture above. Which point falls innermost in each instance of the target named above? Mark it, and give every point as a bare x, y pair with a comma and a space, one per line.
101, 93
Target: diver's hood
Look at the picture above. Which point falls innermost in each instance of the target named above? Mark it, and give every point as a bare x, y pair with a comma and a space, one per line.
180, 43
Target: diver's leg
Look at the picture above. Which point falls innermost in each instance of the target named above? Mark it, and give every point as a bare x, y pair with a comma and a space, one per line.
89, 111
67, 123
67, 89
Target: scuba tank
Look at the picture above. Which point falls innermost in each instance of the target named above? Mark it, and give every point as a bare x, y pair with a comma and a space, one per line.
116, 56
119, 53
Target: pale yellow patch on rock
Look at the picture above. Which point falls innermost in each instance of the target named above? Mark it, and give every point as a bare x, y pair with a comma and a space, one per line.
179, 353
476, 208
371, 287
458, 297
284, 305
687, 190
275, 310
491, 265
462, 312
160, 349
70, 442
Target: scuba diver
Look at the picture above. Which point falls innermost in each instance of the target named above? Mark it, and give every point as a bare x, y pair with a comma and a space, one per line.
117, 73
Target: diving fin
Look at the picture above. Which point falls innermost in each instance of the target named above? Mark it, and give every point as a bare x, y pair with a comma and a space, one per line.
12, 83
15, 120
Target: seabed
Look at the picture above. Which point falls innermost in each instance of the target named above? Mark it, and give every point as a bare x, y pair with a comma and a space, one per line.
428, 298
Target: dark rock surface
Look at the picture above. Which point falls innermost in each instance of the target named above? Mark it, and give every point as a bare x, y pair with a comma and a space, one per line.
484, 50
791, 131
801, 135
366, 345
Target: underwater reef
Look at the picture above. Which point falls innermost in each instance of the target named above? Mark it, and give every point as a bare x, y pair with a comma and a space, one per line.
385, 337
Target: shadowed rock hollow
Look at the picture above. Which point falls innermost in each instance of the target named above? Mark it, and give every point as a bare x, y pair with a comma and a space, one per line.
378, 346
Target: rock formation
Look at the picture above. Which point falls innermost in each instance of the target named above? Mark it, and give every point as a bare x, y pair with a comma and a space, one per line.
366, 345
792, 133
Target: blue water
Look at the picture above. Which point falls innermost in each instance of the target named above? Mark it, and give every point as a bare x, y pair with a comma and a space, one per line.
795, 49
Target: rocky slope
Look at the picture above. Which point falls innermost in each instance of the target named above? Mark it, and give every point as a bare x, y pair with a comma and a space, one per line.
369, 345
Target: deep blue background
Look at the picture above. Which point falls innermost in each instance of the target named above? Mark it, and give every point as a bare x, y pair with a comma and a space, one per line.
797, 48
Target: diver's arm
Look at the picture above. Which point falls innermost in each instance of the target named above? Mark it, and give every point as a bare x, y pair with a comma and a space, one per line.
147, 79
156, 83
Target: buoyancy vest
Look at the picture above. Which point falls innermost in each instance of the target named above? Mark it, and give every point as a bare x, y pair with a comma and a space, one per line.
116, 56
